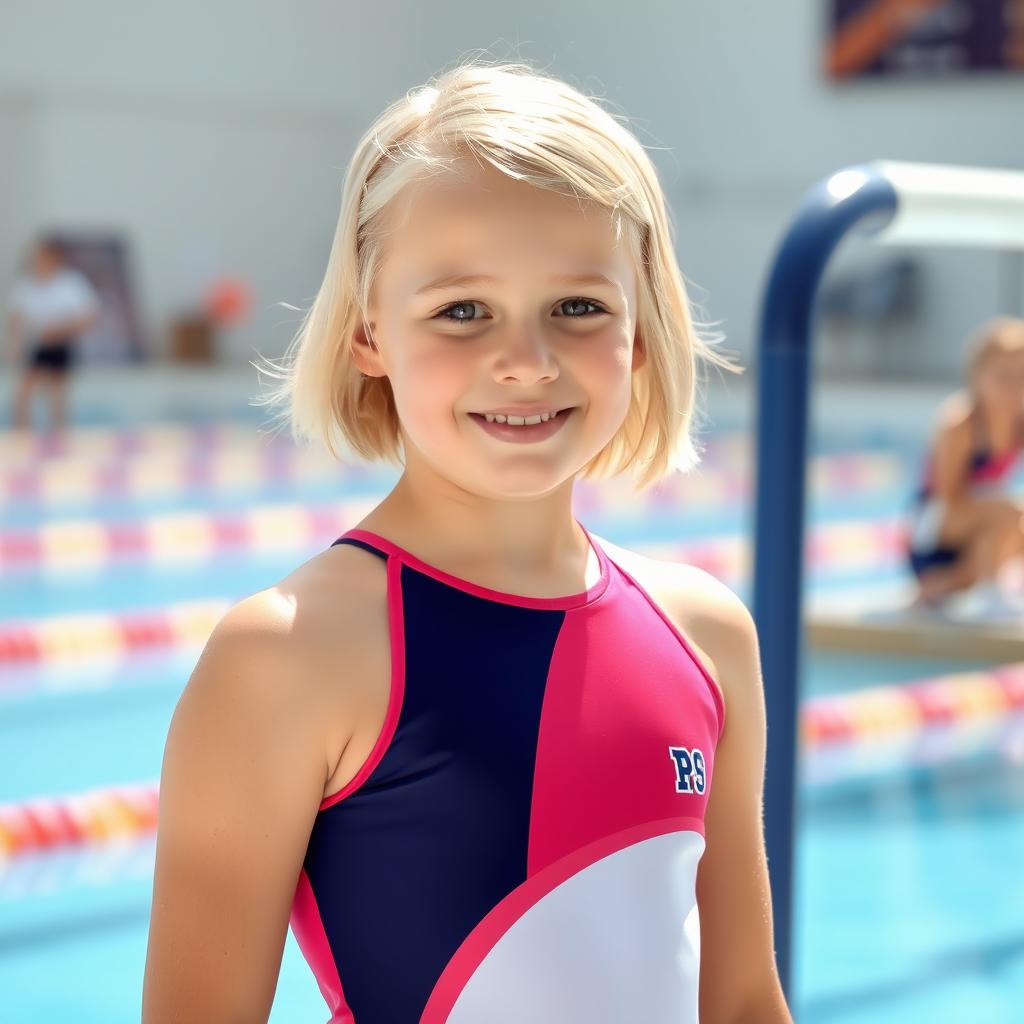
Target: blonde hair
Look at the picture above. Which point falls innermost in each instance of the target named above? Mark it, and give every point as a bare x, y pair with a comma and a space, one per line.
537, 129
1000, 334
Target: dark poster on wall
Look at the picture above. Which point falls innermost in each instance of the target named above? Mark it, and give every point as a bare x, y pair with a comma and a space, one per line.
924, 38
104, 259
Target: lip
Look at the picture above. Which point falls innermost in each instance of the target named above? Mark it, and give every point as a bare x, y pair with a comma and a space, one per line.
521, 410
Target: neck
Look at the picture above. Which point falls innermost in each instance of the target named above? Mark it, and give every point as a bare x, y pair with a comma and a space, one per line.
529, 541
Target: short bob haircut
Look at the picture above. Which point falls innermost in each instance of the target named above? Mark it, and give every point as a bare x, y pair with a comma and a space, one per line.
537, 129
1001, 334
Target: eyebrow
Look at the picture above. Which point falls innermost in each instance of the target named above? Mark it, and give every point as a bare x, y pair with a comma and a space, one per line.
452, 280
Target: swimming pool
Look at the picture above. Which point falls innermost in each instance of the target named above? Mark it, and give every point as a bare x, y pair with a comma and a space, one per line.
909, 905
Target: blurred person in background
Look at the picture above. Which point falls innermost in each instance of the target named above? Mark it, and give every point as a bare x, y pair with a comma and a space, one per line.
51, 305
965, 526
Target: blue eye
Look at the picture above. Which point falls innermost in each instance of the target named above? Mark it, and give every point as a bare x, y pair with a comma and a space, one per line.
464, 303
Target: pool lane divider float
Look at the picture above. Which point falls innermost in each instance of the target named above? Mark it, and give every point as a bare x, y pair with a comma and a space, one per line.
67, 546
74, 637
903, 707
859, 720
71, 640
101, 815
23, 447
56, 482
885, 731
162, 475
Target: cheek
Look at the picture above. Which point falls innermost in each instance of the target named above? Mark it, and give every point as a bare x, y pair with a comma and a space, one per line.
431, 382
607, 374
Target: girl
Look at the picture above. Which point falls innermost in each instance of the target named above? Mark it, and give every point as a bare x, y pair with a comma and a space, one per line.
490, 767
964, 525
50, 307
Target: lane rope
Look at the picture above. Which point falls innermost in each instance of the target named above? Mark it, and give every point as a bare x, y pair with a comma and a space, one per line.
861, 720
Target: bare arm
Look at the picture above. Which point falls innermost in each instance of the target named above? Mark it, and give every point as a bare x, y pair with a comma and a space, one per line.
739, 981
243, 775
950, 455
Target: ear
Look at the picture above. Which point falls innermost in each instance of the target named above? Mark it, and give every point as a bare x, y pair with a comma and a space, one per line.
639, 352
365, 353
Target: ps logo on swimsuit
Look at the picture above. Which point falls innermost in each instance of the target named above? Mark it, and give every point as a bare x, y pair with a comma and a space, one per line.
689, 769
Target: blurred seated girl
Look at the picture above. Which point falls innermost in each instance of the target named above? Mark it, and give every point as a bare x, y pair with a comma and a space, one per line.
965, 525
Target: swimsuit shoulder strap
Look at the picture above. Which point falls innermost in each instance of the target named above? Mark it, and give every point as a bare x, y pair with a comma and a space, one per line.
359, 543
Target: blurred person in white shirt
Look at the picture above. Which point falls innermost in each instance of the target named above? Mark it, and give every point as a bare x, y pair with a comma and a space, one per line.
50, 306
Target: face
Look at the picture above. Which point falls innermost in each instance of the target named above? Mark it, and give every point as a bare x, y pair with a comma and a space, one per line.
44, 261
1000, 379
533, 333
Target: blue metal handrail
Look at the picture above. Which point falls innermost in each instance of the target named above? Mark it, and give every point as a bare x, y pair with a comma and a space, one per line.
902, 203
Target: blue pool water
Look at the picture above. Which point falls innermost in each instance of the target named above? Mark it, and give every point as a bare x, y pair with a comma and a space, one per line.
909, 902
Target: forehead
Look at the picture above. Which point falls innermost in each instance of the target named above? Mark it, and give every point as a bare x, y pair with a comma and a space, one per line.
483, 220
1007, 352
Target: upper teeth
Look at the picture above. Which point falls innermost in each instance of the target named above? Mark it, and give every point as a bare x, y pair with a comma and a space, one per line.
518, 421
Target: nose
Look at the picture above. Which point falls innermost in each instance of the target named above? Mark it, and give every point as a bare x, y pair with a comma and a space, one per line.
525, 357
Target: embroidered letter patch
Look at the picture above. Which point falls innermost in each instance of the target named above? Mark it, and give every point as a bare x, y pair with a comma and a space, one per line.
689, 769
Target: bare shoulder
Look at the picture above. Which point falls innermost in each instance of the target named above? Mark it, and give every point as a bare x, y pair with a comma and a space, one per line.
333, 595
313, 645
710, 615
313, 613
952, 420
951, 442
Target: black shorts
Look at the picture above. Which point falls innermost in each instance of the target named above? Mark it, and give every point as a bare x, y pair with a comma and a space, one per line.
52, 356
922, 561
925, 551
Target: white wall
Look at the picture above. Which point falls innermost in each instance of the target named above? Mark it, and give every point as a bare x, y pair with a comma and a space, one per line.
217, 134
20, 164
200, 188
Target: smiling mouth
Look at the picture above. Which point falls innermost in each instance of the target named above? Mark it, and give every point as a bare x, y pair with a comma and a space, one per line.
554, 415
